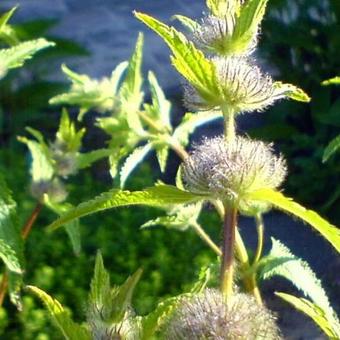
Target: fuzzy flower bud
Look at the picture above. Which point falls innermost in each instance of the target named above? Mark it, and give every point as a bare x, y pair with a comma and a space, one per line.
215, 35
230, 170
243, 87
65, 161
54, 189
208, 316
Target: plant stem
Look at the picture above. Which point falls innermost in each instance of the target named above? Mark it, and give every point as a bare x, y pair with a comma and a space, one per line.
26, 229
227, 267
150, 122
260, 232
229, 123
30, 221
181, 152
206, 238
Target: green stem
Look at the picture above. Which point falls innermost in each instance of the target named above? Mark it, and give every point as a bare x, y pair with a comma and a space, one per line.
228, 246
229, 123
150, 122
260, 234
206, 238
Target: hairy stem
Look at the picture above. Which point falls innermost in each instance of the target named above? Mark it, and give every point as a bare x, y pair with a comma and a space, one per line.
228, 246
25, 231
206, 238
229, 123
180, 151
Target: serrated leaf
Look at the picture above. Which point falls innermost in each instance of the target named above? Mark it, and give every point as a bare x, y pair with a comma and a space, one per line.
332, 81
161, 107
315, 313
278, 200
135, 158
157, 196
122, 297
11, 241
69, 329
188, 23
187, 59
156, 319
247, 24
84, 160
162, 153
296, 271
292, 92
331, 149
130, 93
16, 56
190, 122
41, 166
67, 135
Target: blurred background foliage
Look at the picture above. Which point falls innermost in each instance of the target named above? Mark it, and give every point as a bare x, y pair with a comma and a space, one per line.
300, 44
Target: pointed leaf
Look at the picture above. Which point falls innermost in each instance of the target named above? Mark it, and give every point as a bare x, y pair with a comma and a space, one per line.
278, 200
331, 148
158, 196
315, 313
16, 56
332, 81
69, 329
298, 272
292, 92
162, 153
188, 23
187, 59
135, 158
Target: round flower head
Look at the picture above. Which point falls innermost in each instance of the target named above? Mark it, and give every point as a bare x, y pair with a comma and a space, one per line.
215, 35
230, 170
207, 316
243, 87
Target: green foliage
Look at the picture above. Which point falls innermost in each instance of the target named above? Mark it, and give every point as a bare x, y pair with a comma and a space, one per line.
281, 262
278, 200
16, 56
70, 329
187, 59
7, 33
332, 81
158, 196
331, 329
331, 148
292, 92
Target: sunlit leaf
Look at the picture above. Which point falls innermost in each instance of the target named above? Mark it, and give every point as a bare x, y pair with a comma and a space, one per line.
292, 92
331, 148
188, 23
332, 81
158, 196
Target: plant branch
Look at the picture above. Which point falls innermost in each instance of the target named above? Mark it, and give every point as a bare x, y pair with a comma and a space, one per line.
228, 246
206, 238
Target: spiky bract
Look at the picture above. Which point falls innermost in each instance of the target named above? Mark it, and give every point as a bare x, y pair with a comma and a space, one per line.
243, 87
230, 170
208, 316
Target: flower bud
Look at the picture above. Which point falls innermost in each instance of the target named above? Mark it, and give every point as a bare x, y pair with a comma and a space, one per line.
55, 190
208, 316
243, 87
229, 170
65, 161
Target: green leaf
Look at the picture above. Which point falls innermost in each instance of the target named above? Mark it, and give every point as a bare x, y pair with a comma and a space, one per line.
16, 56
156, 319
122, 297
162, 153
69, 329
135, 158
190, 122
188, 23
157, 196
332, 81
247, 24
187, 59
316, 313
84, 160
67, 135
292, 92
42, 166
296, 271
161, 107
331, 148
11, 249
130, 93
220, 8
7, 33
180, 217
278, 200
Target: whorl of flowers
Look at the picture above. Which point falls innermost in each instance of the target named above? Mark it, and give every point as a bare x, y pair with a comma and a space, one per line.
243, 87
230, 170
64, 160
215, 35
208, 316
54, 189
